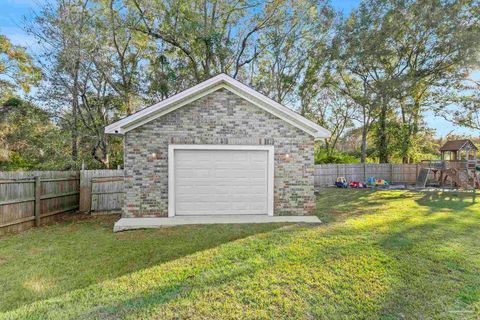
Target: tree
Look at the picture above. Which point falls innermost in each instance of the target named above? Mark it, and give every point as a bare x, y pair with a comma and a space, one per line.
17, 70
86, 85
122, 69
333, 111
28, 138
462, 109
292, 51
403, 50
206, 34
63, 30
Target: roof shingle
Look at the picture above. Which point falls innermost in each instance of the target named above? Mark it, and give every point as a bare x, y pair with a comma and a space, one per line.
455, 145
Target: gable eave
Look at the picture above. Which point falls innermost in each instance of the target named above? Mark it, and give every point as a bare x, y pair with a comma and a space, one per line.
221, 81
121, 126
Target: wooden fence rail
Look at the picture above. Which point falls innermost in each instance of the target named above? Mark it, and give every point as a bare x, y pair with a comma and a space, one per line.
106, 194
32, 198
86, 177
27, 201
326, 174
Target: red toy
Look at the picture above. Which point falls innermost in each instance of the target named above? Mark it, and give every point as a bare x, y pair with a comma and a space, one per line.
356, 184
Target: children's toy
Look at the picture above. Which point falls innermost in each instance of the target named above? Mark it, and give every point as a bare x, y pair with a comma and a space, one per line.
381, 182
457, 167
371, 181
341, 182
356, 184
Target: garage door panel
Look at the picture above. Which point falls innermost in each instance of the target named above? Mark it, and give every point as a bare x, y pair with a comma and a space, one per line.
258, 157
193, 173
181, 190
222, 208
236, 165
221, 182
239, 174
197, 198
225, 182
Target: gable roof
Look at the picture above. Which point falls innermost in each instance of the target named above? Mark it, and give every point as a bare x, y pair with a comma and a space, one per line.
208, 86
455, 145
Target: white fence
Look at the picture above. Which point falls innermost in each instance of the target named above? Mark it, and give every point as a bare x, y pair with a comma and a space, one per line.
326, 174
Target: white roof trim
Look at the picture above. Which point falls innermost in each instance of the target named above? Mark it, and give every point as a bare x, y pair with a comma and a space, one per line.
221, 81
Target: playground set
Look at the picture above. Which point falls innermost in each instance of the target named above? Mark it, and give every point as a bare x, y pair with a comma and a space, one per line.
458, 168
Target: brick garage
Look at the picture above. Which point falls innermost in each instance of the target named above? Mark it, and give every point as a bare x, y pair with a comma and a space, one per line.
236, 121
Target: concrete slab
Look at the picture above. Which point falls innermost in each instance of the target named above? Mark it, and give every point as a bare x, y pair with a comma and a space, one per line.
147, 223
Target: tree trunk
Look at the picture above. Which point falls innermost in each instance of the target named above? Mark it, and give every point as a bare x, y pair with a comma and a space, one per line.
106, 160
382, 134
363, 157
74, 129
101, 144
74, 133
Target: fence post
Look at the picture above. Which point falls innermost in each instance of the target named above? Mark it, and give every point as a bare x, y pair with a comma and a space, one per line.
38, 193
391, 172
84, 198
365, 172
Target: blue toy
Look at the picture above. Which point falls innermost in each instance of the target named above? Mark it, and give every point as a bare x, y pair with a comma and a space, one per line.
341, 182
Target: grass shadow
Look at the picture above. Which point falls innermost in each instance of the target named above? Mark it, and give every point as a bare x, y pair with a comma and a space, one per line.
76, 254
435, 270
450, 200
335, 205
381, 254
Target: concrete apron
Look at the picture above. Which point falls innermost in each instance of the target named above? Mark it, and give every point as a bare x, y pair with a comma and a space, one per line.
147, 223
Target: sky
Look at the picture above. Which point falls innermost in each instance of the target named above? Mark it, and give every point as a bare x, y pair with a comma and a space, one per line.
13, 11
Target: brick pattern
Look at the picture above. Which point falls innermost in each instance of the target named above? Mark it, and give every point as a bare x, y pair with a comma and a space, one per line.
221, 117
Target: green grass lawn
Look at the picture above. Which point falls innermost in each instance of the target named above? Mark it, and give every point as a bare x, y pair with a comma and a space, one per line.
379, 255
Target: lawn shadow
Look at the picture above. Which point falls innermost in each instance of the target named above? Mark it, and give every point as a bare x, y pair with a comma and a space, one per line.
335, 205
447, 200
72, 258
158, 288
162, 295
433, 262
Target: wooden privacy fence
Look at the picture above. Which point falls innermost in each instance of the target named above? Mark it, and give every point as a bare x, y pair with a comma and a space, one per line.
106, 194
326, 174
28, 199
86, 177
31, 198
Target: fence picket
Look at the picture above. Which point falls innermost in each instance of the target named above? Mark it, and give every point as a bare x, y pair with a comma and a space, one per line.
326, 174
32, 197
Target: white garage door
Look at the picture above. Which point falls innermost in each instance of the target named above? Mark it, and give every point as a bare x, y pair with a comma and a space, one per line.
221, 182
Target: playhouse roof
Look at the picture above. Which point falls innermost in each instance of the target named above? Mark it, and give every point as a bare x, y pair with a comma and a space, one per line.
455, 145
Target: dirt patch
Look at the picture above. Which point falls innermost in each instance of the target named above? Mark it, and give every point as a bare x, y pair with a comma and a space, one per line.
80, 217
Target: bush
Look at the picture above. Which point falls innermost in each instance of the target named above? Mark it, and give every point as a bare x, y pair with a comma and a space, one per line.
323, 156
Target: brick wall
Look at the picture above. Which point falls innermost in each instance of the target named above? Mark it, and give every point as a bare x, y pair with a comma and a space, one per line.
218, 118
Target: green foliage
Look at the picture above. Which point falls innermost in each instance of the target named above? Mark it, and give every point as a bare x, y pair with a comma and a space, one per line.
17, 70
379, 68
398, 54
28, 138
333, 156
